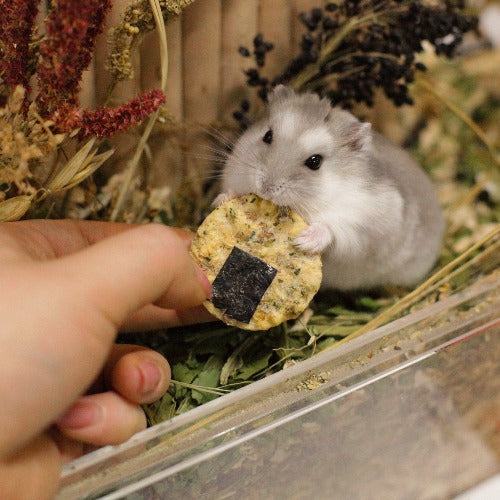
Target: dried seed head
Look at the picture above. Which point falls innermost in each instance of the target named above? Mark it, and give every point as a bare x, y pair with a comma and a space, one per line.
376, 53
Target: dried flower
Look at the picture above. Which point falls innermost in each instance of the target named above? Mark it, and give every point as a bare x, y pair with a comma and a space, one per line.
24, 137
137, 20
31, 132
72, 27
14, 208
106, 122
15, 33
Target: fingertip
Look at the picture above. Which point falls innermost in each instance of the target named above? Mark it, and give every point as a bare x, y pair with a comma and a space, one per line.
102, 419
141, 376
204, 282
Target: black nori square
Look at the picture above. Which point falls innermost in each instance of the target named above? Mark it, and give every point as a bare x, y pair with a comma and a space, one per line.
240, 285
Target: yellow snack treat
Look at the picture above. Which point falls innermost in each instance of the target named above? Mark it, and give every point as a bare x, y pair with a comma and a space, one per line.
259, 278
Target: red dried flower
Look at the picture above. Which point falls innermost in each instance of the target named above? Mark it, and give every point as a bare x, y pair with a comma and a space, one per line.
106, 122
72, 27
16, 25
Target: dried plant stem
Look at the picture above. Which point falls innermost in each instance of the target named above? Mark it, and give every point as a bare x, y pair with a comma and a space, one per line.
134, 162
160, 25
491, 251
132, 167
419, 292
201, 388
42, 123
469, 198
427, 85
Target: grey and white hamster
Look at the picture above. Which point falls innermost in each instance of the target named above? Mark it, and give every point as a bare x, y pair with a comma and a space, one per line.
371, 210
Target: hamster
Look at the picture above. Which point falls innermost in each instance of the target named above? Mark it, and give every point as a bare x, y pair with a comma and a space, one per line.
372, 212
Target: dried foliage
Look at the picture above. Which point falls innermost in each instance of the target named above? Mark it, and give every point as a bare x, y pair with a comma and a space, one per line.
33, 131
24, 138
354, 47
16, 57
71, 30
137, 20
105, 122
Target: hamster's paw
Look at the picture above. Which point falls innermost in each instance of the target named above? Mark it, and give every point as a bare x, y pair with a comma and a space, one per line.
222, 198
314, 238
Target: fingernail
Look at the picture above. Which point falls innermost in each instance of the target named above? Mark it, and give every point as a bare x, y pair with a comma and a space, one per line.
81, 414
203, 280
149, 377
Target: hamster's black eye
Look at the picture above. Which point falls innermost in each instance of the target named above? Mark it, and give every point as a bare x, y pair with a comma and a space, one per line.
268, 137
314, 162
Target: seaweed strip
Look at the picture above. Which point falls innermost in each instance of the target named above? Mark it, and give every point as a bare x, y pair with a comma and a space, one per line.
242, 281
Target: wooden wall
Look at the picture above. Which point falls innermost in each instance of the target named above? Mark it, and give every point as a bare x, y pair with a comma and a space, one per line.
205, 78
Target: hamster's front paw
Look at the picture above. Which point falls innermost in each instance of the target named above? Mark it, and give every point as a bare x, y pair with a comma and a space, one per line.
314, 238
223, 197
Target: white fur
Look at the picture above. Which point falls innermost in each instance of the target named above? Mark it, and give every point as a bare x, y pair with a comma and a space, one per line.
314, 239
317, 139
287, 125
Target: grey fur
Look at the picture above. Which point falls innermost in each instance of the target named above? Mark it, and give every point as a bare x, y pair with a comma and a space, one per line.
372, 211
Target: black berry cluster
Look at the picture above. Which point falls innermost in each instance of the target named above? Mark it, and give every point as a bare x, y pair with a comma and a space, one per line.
241, 115
353, 47
260, 49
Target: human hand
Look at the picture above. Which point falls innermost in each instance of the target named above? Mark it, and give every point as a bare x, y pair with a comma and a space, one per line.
67, 288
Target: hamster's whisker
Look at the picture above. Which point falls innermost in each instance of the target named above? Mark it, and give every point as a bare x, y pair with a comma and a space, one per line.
219, 137
213, 176
247, 158
250, 153
212, 158
214, 150
245, 162
224, 138
207, 162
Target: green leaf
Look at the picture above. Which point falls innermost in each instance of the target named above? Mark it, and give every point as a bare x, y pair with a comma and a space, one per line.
253, 367
186, 373
192, 362
160, 410
368, 303
334, 330
339, 311
208, 377
183, 373
185, 405
323, 344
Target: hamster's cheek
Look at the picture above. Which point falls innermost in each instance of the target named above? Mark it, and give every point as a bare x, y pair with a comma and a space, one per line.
238, 179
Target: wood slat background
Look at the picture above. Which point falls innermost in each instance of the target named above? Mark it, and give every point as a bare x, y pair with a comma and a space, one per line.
205, 80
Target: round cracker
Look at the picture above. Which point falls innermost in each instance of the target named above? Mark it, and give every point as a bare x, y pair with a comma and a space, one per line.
265, 231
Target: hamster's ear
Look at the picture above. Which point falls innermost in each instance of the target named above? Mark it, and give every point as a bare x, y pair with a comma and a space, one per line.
327, 108
359, 137
280, 93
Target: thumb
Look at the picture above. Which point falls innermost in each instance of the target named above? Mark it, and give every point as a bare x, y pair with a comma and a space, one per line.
123, 273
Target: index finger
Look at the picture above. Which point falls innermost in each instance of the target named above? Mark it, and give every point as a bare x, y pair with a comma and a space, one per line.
121, 274
48, 239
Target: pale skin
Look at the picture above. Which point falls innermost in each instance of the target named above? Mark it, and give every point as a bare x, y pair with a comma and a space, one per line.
67, 288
